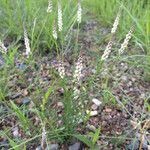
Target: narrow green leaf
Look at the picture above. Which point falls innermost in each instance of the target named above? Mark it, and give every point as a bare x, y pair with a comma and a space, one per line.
84, 139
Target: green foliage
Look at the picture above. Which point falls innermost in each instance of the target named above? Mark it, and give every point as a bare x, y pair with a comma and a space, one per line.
91, 140
23, 119
39, 23
135, 11
46, 96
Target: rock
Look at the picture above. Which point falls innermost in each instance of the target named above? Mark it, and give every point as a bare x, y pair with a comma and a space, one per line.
75, 146
94, 107
60, 104
4, 144
92, 113
91, 127
21, 66
26, 101
25, 92
135, 144
16, 95
104, 123
108, 110
49, 147
96, 102
39, 148
52, 147
16, 132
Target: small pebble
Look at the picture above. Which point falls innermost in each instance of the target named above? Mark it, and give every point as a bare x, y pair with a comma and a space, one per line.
92, 113
75, 146
94, 107
108, 110
60, 104
96, 102
91, 127
52, 147
26, 101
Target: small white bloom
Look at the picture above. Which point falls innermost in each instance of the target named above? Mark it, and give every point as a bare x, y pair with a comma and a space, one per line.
126, 41
116, 23
107, 51
27, 43
79, 12
2, 46
54, 32
61, 70
76, 93
78, 70
60, 22
50, 6
43, 141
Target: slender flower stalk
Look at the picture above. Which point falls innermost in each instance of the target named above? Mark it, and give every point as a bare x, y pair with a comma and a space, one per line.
61, 70
79, 12
27, 43
50, 6
78, 70
2, 46
116, 22
107, 51
76, 77
60, 21
126, 41
76, 93
43, 141
55, 31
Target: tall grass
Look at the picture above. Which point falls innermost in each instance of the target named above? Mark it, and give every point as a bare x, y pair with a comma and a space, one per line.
135, 11
38, 22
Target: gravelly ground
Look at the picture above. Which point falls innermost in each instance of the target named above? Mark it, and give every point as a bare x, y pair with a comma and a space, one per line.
117, 116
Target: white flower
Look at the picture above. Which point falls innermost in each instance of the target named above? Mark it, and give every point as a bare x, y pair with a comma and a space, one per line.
76, 93
126, 41
107, 51
78, 70
50, 6
61, 70
27, 44
60, 22
43, 141
79, 12
116, 22
2, 46
54, 31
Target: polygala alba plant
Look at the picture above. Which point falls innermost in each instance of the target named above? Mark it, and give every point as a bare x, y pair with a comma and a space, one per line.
78, 70
107, 51
54, 31
2, 46
116, 22
126, 41
27, 43
60, 21
77, 76
61, 70
113, 31
79, 12
50, 6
